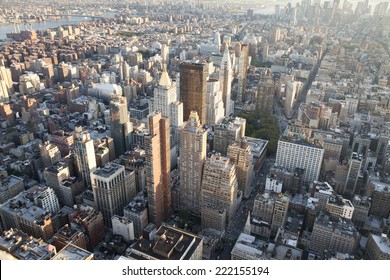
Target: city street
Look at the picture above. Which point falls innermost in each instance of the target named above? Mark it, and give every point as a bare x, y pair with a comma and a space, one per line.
237, 224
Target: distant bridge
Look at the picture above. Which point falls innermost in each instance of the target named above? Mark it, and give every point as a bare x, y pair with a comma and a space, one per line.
94, 17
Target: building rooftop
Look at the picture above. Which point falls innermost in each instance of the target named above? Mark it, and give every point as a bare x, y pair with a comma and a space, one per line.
257, 145
168, 244
23, 207
109, 170
382, 242
344, 226
340, 201
72, 252
283, 252
295, 139
22, 247
249, 245
12, 239
9, 181
138, 204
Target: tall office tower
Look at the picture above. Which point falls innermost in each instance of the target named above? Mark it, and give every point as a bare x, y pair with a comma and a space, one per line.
355, 165
380, 199
85, 156
225, 78
215, 111
54, 175
121, 126
361, 207
265, 96
383, 148
6, 84
240, 153
113, 188
217, 40
48, 73
243, 62
45, 198
228, 131
193, 139
293, 89
165, 54
63, 72
193, 84
279, 216
219, 192
165, 101
158, 167
274, 36
50, 154
292, 152
125, 71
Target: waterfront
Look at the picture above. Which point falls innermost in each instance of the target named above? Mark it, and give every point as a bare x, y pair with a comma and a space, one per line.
8, 28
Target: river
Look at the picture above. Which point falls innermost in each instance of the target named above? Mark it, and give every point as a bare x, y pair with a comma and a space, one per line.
8, 28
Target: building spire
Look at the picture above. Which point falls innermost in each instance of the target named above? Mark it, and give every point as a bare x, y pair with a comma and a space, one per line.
165, 81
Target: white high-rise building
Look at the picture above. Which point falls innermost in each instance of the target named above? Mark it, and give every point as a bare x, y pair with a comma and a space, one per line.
192, 157
85, 155
225, 78
217, 40
165, 54
215, 111
6, 85
47, 199
296, 153
293, 89
113, 188
165, 101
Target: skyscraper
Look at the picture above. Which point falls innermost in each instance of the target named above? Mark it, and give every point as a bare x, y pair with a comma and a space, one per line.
165, 54
193, 138
50, 154
265, 96
85, 156
240, 153
355, 165
219, 192
293, 153
215, 108
217, 40
113, 188
158, 167
228, 131
279, 216
243, 61
165, 100
54, 175
225, 78
193, 84
121, 126
6, 85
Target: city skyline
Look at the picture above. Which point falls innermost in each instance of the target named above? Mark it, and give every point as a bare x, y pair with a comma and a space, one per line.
197, 130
